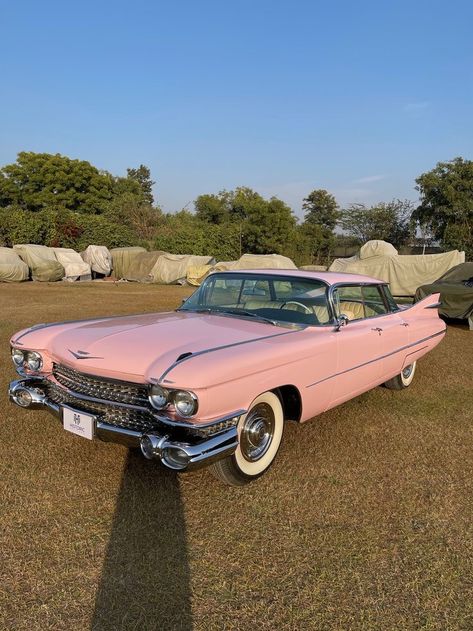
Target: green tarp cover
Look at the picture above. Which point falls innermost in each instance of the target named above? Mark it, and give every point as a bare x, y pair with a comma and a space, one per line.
141, 265
455, 296
122, 260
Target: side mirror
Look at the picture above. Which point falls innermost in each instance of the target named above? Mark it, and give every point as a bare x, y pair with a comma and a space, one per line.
342, 320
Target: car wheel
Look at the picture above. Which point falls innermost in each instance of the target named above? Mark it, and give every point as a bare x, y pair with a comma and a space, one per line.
403, 380
260, 433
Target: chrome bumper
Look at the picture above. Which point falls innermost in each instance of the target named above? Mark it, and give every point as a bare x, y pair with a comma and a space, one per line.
177, 455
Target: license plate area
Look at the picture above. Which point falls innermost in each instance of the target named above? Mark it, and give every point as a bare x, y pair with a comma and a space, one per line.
78, 423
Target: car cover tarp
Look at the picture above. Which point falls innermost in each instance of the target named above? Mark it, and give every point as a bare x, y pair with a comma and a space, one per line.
42, 262
172, 268
314, 268
140, 267
456, 296
122, 259
12, 268
74, 266
99, 259
196, 274
404, 272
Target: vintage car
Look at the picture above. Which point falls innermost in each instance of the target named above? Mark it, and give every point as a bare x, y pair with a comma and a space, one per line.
214, 382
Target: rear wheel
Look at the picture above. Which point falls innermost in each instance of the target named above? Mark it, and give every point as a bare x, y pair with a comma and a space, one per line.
403, 380
260, 433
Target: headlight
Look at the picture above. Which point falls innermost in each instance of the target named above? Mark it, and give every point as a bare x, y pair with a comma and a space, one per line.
18, 357
185, 402
34, 361
159, 397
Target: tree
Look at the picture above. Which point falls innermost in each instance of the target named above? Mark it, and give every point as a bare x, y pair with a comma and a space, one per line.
321, 213
41, 180
446, 206
388, 221
265, 226
213, 208
321, 208
142, 175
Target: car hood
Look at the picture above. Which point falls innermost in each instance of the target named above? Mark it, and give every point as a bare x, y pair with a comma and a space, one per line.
142, 348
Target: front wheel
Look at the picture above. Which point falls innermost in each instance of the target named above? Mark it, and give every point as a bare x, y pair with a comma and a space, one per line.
403, 380
260, 433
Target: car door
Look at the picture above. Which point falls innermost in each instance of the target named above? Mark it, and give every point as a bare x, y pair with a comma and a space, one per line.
359, 346
392, 329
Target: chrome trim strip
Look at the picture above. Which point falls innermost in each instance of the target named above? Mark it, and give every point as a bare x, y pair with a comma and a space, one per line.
199, 426
434, 305
85, 397
218, 348
371, 361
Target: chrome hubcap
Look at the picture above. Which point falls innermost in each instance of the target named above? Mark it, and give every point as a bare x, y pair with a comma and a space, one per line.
257, 432
407, 372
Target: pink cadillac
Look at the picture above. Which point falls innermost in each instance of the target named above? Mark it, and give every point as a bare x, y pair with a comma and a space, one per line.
214, 382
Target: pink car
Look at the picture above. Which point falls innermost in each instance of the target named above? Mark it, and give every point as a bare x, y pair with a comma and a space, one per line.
213, 382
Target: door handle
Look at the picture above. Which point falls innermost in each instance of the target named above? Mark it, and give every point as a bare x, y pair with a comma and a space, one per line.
378, 329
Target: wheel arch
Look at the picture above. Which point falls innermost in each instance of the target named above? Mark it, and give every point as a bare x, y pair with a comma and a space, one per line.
291, 402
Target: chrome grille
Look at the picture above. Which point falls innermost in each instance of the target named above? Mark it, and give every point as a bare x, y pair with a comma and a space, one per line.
101, 388
128, 418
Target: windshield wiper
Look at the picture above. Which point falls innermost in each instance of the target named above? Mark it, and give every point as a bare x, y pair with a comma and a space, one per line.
244, 312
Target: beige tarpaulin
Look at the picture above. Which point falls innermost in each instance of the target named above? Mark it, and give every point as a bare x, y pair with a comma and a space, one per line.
173, 268
264, 261
140, 267
404, 273
74, 266
12, 268
42, 262
196, 274
99, 259
314, 268
122, 259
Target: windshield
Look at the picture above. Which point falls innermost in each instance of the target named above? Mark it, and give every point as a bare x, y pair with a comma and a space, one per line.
275, 299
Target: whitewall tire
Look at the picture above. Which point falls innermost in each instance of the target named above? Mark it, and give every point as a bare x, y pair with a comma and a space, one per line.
260, 433
403, 380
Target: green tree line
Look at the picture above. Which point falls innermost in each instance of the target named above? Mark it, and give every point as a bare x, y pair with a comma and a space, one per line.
57, 201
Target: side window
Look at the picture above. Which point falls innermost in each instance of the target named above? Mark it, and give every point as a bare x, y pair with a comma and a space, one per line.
373, 299
393, 306
349, 301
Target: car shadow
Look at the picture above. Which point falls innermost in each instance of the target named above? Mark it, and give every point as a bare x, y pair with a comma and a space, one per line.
145, 580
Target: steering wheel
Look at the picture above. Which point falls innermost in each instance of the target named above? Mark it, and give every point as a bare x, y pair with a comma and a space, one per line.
299, 304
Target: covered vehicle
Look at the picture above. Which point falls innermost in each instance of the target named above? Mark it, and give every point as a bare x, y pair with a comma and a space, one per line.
12, 268
141, 267
42, 262
99, 259
403, 272
123, 258
213, 382
456, 292
75, 268
196, 274
171, 269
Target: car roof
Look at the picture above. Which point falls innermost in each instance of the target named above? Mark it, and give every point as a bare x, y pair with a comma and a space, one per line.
331, 278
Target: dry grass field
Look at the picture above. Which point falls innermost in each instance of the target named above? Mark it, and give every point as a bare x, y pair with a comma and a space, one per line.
364, 522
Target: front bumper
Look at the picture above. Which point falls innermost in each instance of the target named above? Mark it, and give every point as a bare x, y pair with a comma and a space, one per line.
178, 454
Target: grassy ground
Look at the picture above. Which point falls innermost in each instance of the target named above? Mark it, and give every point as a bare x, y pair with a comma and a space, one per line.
364, 522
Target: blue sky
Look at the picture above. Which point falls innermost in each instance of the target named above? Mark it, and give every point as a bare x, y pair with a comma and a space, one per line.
355, 97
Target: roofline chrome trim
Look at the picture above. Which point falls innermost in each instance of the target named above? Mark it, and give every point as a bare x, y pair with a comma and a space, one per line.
371, 361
